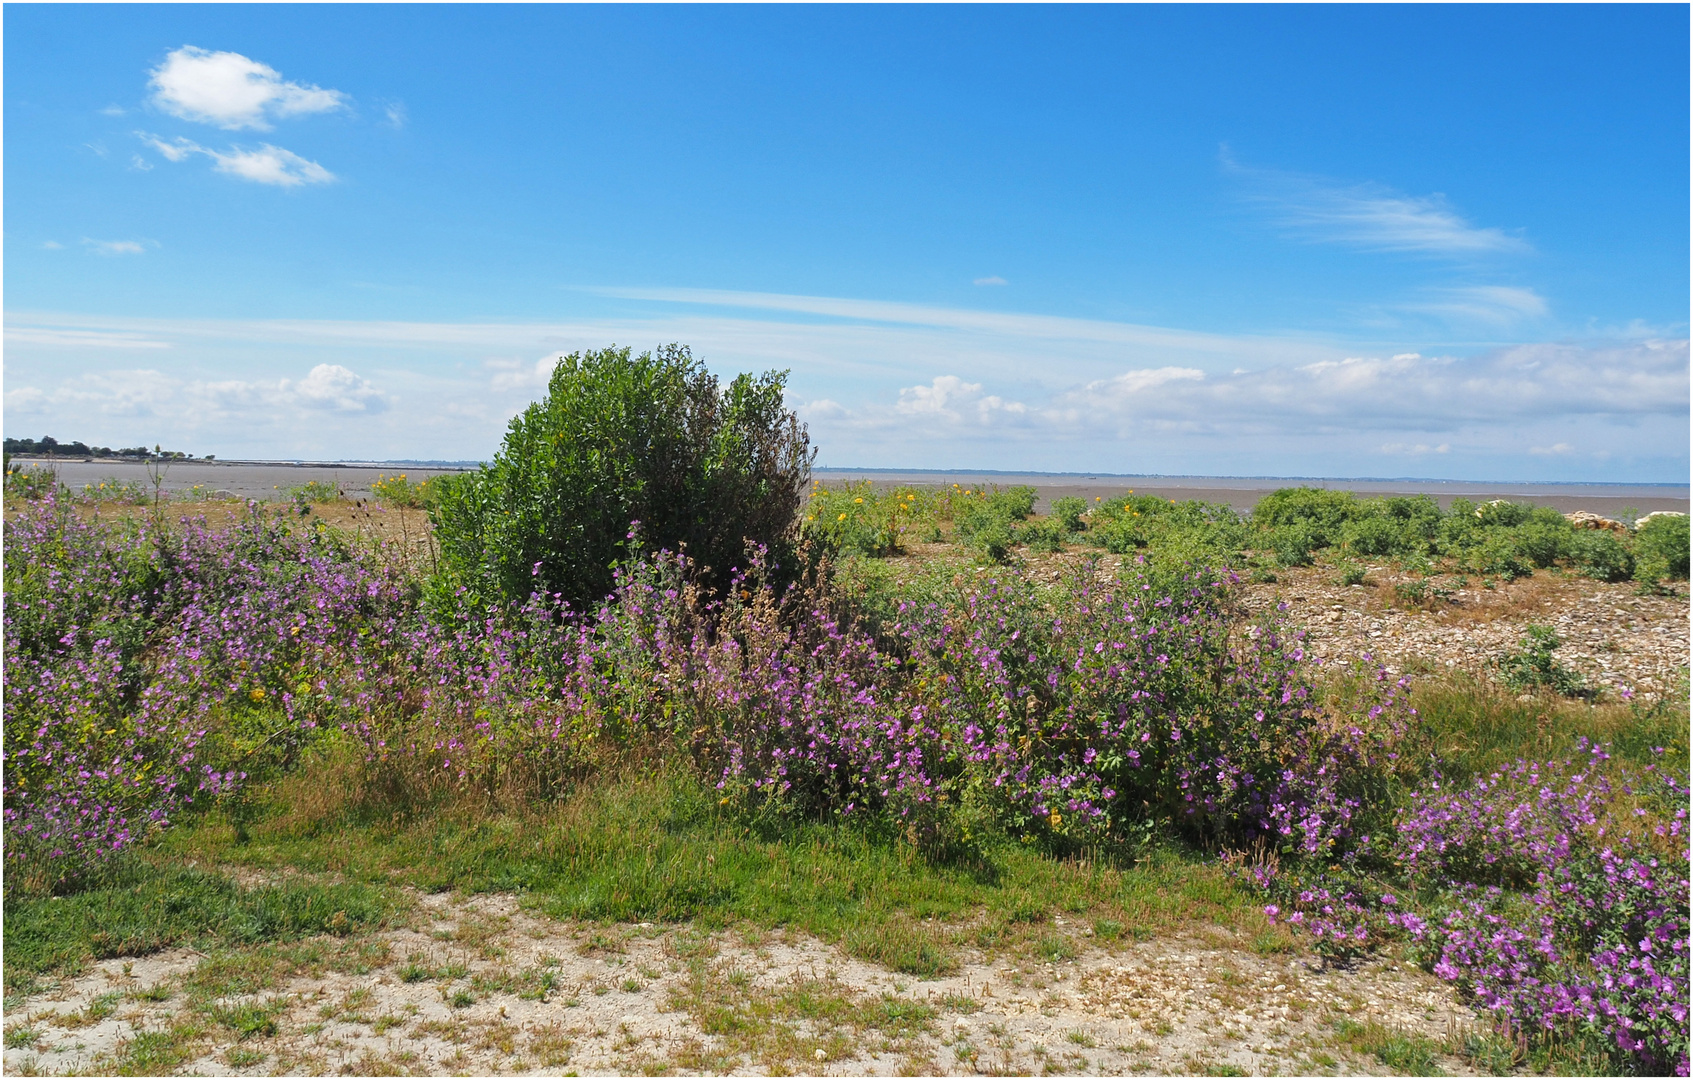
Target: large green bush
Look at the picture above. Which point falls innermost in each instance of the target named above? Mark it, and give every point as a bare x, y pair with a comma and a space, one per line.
618, 439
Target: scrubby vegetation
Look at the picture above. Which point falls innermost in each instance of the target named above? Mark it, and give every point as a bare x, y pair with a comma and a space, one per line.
1287, 528
799, 735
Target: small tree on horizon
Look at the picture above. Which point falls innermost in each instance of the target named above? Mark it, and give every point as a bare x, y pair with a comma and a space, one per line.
620, 439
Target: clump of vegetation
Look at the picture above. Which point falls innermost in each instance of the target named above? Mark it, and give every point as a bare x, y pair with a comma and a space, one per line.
1661, 548
1533, 666
30, 484
626, 454
854, 518
402, 491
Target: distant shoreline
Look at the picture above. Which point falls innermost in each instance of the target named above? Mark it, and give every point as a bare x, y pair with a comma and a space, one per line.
1283, 481
1186, 479
273, 479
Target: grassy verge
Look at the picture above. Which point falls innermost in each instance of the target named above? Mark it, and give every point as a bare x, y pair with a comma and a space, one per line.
143, 907
660, 847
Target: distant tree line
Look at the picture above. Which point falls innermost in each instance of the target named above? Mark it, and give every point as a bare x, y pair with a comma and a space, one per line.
51, 447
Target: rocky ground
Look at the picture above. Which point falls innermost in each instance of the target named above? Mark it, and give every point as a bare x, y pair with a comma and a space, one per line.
481, 986
1622, 642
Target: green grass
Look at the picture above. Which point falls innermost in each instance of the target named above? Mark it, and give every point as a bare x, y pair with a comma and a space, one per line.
250, 1019
1474, 728
140, 908
156, 1053
660, 848
1405, 1053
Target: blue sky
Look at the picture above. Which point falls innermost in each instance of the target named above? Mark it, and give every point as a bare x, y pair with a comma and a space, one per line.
1388, 241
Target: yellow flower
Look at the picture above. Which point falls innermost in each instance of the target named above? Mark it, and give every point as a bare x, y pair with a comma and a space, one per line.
841, 518
1056, 819
858, 500
257, 695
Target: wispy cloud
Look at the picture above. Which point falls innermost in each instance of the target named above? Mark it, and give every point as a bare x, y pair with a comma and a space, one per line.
266, 164
1370, 216
233, 91
994, 280
68, 338
394, 113
991, 328
328, 389
1498, 305
52, 245
115, 247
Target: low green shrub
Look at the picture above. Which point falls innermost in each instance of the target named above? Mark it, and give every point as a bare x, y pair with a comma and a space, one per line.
1600, 555
1047, 535
31, 484
1661, 548
1068, 512
1533, 665
987, 521
317, 491
402, 491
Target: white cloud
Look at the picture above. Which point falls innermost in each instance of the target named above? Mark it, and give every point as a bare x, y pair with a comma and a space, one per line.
1125, 387
232, 91
113, 110
395, 114
115, 247
949, 398
519, 375
266, 165
1555, 450
52, 245
139, 163
1501, 390
333, 387
1505, 387
994, 280
1370, 216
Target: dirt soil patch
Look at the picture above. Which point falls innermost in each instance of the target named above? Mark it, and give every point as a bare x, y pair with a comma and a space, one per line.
482, 985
